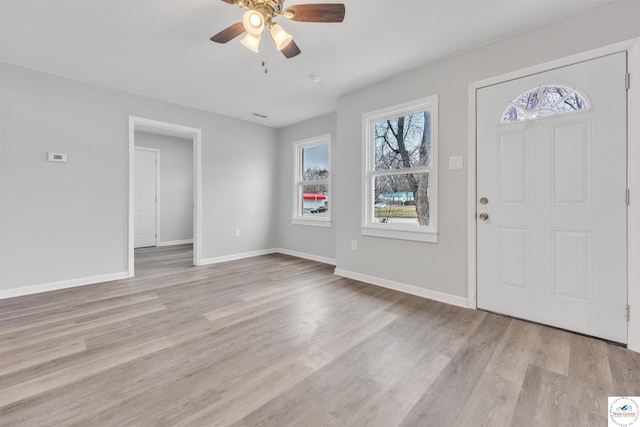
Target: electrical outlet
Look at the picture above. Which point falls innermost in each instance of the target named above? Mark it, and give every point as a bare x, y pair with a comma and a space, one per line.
236, 233
354, 245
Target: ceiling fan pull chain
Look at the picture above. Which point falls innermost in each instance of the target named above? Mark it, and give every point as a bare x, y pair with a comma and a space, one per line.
264, 64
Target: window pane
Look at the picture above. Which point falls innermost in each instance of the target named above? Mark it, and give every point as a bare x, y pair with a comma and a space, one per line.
402, 199
315, 200
551, 95
555, 99
571, 103
315, 162
528, 100
512, 114
403, 142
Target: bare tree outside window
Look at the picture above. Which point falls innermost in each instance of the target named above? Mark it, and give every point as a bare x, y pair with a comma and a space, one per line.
401, 145
311, 174
544, 101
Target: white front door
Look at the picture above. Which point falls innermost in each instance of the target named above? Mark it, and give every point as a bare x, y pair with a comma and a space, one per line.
552, 247
145, 182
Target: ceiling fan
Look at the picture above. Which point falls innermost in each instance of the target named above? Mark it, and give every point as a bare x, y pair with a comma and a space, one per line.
260, 13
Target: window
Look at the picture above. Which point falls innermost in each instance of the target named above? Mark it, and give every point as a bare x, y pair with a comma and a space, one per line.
400, 171
312, 187
544, 101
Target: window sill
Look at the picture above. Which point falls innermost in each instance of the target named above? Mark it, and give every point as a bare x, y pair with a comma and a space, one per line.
316, 222
400, 233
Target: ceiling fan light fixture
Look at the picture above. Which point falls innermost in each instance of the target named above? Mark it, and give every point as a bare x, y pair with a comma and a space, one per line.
280, 37
259, 14
251, 42
253, 22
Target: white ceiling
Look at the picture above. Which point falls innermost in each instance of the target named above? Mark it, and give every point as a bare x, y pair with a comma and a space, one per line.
161, 48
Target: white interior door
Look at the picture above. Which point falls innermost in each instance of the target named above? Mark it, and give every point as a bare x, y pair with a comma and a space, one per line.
553, 248
146, 200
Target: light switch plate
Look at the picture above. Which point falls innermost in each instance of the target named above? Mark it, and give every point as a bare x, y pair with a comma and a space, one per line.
456, 162
57, 157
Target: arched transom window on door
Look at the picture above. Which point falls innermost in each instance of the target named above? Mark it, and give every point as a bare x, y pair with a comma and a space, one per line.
544, 100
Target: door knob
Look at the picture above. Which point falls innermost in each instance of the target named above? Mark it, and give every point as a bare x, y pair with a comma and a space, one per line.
483, 216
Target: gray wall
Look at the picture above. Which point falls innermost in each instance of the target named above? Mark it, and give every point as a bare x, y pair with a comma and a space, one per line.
175, 186
68, 221
307, 239
64, 221
443, 266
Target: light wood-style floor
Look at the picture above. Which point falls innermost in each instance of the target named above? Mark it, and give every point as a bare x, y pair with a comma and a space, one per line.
278, 341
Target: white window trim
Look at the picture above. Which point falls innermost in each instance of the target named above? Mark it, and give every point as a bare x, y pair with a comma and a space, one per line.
367, 228
298, 146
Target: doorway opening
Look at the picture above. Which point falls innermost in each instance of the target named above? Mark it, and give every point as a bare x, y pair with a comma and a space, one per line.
148, 126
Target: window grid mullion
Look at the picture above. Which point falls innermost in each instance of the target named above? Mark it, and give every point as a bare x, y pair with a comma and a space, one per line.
387, 172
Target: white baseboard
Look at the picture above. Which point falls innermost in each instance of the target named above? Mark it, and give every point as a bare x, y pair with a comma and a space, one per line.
175, 242
317, 258
63, 284
234, 257
403, 287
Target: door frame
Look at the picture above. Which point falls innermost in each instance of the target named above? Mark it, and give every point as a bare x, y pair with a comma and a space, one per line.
170, 129
157, 190
632, 48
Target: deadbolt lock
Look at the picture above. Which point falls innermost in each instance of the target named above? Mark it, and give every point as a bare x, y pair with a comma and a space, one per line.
484, 201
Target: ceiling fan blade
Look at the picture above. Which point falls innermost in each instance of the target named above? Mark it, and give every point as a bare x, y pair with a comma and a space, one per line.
291, 50
229, 33
325, 12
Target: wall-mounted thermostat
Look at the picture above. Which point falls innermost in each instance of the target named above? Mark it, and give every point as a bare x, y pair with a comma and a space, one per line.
57, 157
